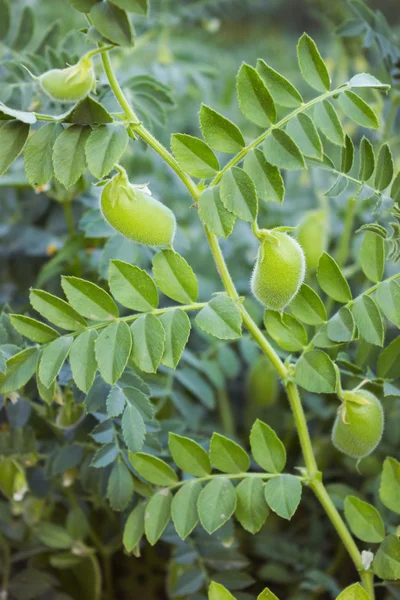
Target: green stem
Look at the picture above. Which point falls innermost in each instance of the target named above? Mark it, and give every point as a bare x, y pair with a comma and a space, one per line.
207, 478
69, 219
225, 412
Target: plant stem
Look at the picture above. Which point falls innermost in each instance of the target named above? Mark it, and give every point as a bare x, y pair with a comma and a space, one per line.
207, 478
225, 412
69, 219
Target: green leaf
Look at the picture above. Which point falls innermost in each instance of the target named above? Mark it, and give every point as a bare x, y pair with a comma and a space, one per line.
341, 327
153, 469
25, 29
368, 320
148, 342
308, 307
328, 122
69, 157
116, 401
177, 326
19, 370
141, 7
5, 18
238, 194
282, 91
53, 536
267, 449
347, 155
216, 504
219, 132
384, 167
214, 214
83, 5
133, 428
175, 277
13, 135
227, 456
112, 22
316, 372
131, 286
251, 508
266, 594
221, 318
354, 592
88, 112
338, 187
365, 80
120, 486
283, 495
285, 330
184, 508
216, 591
395, 190
389, 490
266, 177
83, 360
56, 311
194, 156
280, 150
367, 160
358, 110
134, 527
88, 299
7, 113
255, 101
387, 559
388, 298
388, 361
331, 279
104, 147
38, 155
188, 455
303, 132
33, 330
312, 67
113, 348
53, 358
372, 256
364, 520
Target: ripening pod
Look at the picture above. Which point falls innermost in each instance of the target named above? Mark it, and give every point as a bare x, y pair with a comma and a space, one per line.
312, 234
135, 214
262, 382
279, 270
359, 423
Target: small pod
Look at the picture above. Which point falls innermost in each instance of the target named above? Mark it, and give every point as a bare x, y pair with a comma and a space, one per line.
312, 235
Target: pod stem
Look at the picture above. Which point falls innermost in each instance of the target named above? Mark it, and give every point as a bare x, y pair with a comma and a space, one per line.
97, 51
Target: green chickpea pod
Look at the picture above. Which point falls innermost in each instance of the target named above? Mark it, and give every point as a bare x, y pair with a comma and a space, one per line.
312, 235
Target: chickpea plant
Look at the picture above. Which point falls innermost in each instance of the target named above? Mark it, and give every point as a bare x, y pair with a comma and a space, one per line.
317, 313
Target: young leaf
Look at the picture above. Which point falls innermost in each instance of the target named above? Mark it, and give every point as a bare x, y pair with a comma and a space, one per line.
308, 307
384, 168
368, 320
395, 190
286, 330
251, 508
19, 370
214, 214
312, 67
53, 358
266, 177
328, 122
255, 101
358, 110
148, 342
141, 7
282, 91
367, 160
153, 469
316, 372
364, 520
133, 428
13, 135
38, 155
354, 592
56, 311
177, 326
88, 299
83, 360
184, 508
216, 591
194, 156
389, 490
134, 527
175, 277
88, 112
83, 5
388, 361
104, 147
303, 132
341, 327
365, 80
189, 455
69, 157
120, 486
221, 318
331, 279
33, 330
116, 401
219, 132
266, 594
227, 456
112, 22
54, 536
280, 150
283, 495
347, 155
372, 256
267, 449
238, 194
113, 348
216, 504
387, 559
388, 298
131, 286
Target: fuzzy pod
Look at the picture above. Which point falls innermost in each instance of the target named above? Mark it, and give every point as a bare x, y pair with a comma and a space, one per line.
358, 428
279, 270
312, 235
71, 84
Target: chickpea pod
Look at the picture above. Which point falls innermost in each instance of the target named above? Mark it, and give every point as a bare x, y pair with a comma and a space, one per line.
312, 235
